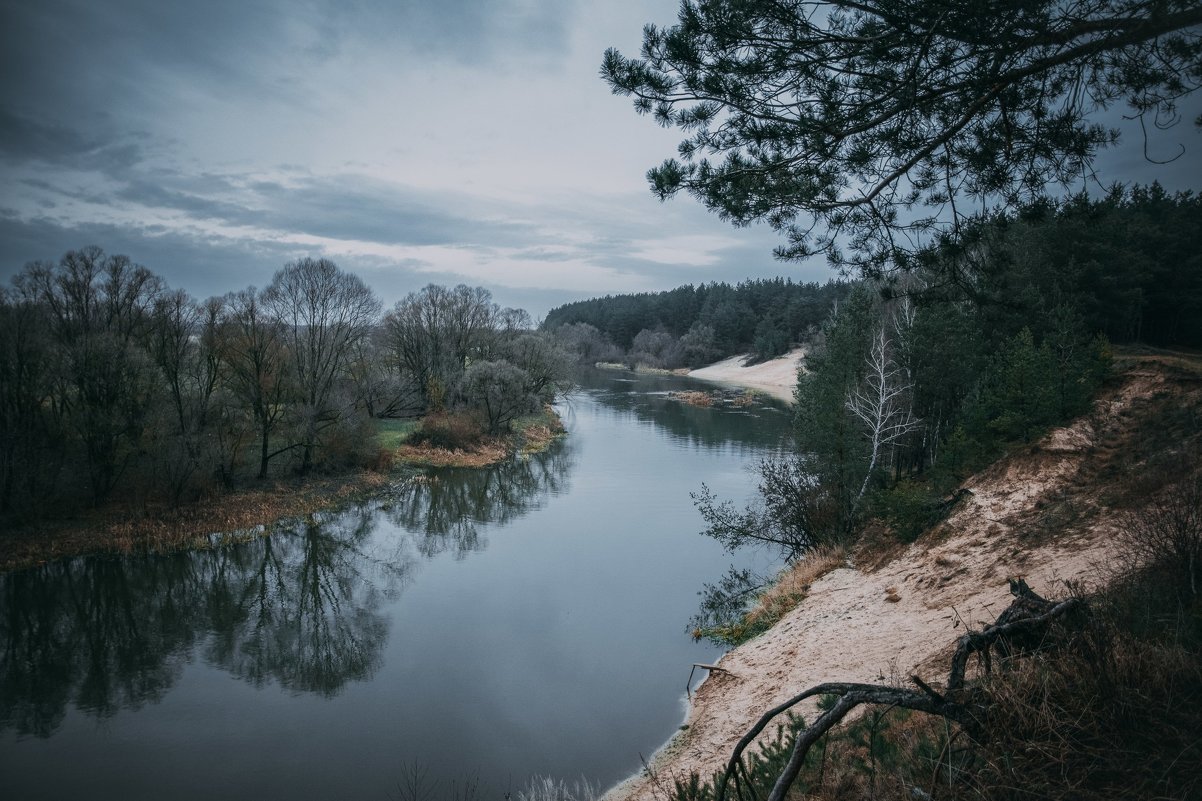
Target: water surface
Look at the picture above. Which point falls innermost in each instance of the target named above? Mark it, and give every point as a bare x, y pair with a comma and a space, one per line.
481, 626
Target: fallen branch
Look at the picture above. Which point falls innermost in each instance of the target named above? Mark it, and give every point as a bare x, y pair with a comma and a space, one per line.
1028, 614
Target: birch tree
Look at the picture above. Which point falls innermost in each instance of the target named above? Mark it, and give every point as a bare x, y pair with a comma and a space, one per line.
882, 404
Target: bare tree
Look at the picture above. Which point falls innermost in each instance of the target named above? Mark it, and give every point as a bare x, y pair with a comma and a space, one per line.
323, 313
588, 344
30, 441
99, 307
546, 362
434, 333
259, 376
882, 404
499, 391
378, 384
183, 342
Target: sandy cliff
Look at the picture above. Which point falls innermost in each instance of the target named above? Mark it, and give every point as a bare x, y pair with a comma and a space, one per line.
1035, 513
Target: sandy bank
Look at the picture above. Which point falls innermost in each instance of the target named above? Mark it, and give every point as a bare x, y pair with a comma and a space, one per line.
776, 377
867, 623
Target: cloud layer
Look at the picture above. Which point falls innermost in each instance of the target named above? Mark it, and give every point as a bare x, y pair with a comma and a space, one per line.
410, 141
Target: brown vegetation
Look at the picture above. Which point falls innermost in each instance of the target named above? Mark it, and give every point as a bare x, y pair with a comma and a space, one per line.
793, 584
457, 441
693, 397
715, 397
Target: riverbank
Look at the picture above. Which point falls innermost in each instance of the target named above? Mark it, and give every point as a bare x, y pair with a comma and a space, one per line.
121, 528
1048, 513
775, 377
530, 434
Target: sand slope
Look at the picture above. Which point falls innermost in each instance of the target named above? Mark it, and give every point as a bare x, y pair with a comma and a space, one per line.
846, 630
776, 377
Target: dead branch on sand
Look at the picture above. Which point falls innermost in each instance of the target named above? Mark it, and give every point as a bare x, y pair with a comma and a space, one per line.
1019, 627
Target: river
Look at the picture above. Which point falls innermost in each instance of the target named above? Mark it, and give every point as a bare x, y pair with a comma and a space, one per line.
471, 630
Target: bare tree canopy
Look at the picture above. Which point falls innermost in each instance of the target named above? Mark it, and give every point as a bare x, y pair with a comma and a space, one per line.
434, 334
324, 312
862, 128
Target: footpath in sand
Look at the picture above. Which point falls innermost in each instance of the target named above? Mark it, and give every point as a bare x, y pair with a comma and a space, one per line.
776, 377
874, 623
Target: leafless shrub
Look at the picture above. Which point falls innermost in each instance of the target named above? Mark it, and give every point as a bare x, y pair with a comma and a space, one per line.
1166, 534
1114, 718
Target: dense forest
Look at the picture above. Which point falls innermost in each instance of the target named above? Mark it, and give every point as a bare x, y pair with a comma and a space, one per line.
1126, 264
694, 325
917, 381
114, 385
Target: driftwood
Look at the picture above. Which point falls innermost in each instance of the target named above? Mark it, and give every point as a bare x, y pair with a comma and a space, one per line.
1026, 618
688, 685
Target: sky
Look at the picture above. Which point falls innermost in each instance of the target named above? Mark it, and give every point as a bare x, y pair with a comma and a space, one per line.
411, 141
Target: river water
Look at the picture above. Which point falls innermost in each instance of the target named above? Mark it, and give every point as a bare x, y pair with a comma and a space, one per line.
469, 631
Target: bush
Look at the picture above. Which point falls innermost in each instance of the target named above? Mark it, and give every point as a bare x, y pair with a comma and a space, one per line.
909, 507
1166, 535
452, 432
351, 442
498, 392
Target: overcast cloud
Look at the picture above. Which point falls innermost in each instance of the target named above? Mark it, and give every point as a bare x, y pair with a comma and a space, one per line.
458, 141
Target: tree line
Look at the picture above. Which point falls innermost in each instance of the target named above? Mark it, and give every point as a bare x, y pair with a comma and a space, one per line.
694, 325
114, 384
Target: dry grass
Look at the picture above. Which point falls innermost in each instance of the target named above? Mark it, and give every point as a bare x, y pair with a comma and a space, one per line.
746, 399
537, 438
793, 584
1111, 726
693, 397
488, 452
532, 434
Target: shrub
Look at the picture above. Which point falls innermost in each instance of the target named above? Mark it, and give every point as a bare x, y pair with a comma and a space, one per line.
741, 606
1166, 535
452, 432
498, 392
909, 507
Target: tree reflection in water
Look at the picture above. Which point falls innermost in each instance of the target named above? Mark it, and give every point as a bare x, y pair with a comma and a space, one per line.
745, 430
300, 607
446, 510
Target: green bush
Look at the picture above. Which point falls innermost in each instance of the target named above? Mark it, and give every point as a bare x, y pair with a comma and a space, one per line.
909, 507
